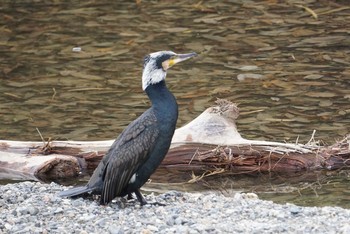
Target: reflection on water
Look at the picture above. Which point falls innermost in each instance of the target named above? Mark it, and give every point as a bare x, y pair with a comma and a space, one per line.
299, 66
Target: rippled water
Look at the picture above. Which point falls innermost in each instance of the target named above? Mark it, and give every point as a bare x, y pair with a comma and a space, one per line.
306, 189
299, 66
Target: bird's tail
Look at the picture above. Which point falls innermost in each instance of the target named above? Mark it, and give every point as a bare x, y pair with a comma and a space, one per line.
76, 192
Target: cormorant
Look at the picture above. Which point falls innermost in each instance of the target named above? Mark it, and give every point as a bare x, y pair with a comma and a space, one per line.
141, 147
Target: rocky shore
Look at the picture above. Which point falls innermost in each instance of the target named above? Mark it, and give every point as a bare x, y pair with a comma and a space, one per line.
32, 207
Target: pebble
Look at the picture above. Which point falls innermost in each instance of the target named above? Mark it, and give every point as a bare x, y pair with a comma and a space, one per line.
41, 211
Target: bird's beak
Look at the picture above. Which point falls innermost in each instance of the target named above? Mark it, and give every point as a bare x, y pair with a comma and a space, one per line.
176, 59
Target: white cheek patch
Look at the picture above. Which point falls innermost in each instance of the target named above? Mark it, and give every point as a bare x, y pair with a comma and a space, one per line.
151, 75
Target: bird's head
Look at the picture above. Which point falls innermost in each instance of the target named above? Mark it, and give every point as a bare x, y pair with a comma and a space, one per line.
156, 65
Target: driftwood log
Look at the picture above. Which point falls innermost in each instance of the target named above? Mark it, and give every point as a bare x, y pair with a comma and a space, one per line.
208, 144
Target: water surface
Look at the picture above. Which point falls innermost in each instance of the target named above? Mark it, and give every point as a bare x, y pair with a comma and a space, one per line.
73, 69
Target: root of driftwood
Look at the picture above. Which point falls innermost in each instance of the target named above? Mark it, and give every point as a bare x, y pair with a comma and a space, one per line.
257, 158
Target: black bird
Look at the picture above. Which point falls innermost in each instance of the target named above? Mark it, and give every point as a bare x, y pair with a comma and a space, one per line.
141, 147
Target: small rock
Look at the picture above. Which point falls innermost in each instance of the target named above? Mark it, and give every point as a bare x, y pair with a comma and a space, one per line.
115, 230
152, 228
8, 226
294, 210
101, 222
58, 210
33, 210
42, 189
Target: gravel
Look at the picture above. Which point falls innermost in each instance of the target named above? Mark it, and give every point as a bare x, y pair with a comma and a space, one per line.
32, 207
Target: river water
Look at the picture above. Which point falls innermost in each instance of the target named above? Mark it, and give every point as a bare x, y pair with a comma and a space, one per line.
72, 70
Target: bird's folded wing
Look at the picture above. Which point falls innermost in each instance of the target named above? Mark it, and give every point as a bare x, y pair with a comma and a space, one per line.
129, 153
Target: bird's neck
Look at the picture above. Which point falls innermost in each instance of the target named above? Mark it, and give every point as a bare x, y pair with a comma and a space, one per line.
163, 101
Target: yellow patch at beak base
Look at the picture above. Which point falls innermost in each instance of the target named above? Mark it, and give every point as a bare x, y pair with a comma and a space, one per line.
168, 63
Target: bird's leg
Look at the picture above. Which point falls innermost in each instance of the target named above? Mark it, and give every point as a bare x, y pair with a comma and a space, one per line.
130, 196
143, 201
140, 198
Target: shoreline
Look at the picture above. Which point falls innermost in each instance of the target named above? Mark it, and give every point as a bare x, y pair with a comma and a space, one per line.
34, 207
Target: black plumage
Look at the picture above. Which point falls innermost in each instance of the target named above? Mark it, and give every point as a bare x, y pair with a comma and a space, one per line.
141, 147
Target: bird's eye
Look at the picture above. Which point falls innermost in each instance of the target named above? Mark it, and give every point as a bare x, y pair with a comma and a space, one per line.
146, 60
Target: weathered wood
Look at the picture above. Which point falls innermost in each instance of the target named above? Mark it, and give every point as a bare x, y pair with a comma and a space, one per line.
257, 158
210, 142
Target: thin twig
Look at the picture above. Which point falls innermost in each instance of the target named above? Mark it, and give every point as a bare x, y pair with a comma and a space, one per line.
195, 153
41, 136
312, 139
